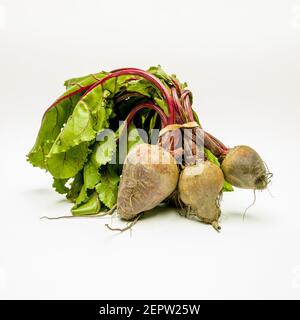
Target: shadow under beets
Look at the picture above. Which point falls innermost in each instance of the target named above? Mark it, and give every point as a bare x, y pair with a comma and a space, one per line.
38, 192
247, 218
157, 211
46, 192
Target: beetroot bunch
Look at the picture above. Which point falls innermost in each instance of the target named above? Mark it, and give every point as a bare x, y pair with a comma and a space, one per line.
129, 139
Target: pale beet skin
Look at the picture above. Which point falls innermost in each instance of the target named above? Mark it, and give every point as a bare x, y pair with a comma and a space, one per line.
244, 168
150, 175
199, 189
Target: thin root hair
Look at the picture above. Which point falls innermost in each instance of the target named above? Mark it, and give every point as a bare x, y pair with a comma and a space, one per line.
252, 204
129, 225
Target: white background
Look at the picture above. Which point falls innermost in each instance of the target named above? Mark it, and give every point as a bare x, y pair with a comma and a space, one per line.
241, 60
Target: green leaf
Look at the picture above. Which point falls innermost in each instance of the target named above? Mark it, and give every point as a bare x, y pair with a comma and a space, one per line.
60, 185
90, 116
70, 150
107, 189
82, 197
196, 118
79, 127
66, 165
147, 89
211, 157
91, 177
75, 187
140, 86
152, 122
227, 187
84, 80
51, 125
57, 116
92, 206
161, 74
143, 116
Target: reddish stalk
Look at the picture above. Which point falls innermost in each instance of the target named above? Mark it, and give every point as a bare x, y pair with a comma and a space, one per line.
214, 145
178, 107
146, 75
176, 101
147, 105
185, 97
176, 84
122, 69
218, 142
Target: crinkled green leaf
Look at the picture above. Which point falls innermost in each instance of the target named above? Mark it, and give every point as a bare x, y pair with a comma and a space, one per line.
140, 86
90, 115
91, 177
161, 74
107, 189
51, 125
92, 206
82, 197
165, 78
75, 187
60, 185
78, 133
85, 80
145, 88
67, 164
161, 102
79, 127
101, 118
57, 116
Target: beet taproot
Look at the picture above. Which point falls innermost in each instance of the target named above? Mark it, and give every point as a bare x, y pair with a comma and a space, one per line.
199, 189
244, 168
150, 174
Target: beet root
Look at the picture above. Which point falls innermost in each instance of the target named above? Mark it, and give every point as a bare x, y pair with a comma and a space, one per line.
243, 168
199, 189
150, 175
